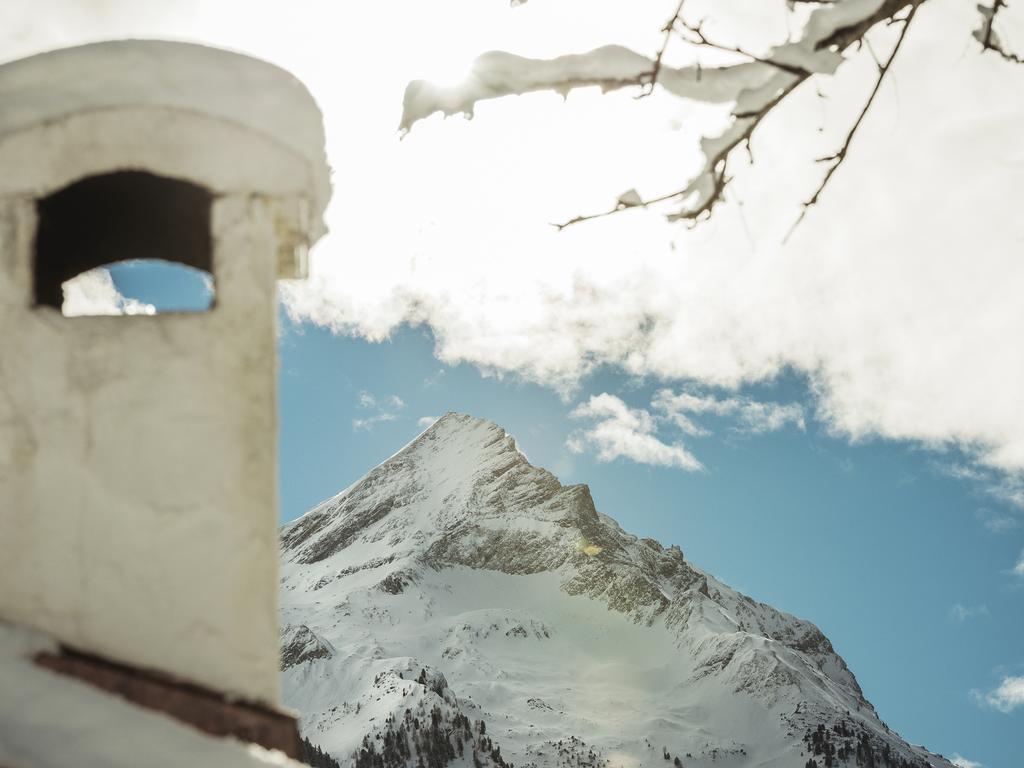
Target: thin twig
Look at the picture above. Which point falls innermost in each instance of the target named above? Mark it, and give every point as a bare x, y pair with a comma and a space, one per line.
720, 181
835, 160
618, 208
656, 69
718, 163
703, 40
715, 167
990, 40
986, 42
871, 50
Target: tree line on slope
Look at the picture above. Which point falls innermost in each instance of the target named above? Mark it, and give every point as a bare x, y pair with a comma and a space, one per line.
843, 743
311, 754
432, 743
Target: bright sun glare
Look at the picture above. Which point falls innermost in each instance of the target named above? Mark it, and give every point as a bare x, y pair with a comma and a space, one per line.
447, 67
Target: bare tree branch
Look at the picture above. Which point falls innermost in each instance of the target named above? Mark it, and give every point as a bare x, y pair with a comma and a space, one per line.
667, 29
755, 87
986, 42
835, 160
987, 35
719, 178
707, 189
624, 202
700, 39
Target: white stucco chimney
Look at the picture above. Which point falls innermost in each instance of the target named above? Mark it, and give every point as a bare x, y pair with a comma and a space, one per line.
138, 490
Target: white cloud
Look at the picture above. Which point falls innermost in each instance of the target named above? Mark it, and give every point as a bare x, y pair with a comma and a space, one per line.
961, 613
425, 421
751, 416
1010, 489
386, 409
1006, 487
1000, 524
997, 522
1006, 697
624, 432
899, 300
369, 423
1018, 569
621, 431
435, 378
94, 293
962, 762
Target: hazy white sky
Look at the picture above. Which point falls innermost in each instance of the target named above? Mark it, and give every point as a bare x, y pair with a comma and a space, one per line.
900, 294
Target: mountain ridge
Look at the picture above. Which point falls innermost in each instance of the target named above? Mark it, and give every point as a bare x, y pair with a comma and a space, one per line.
461, 500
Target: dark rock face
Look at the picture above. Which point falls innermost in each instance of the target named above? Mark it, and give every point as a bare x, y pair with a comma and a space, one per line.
300, 644
351, 520
395, 583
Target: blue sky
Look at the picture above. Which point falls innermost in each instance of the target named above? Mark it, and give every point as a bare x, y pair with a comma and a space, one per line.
874, 542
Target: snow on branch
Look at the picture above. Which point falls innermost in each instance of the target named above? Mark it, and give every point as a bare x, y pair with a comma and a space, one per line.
755, 85
610, 67
988, 37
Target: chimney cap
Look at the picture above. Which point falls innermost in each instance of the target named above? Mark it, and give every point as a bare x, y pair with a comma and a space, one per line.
228, 121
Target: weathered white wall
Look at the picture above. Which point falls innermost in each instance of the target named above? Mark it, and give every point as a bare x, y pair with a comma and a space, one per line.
138, 467
138, 498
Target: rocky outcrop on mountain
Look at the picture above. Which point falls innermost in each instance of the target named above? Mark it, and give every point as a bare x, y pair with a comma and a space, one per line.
457, 555
301, 644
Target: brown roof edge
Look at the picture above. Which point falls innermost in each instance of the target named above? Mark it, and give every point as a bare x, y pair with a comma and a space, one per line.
207, 710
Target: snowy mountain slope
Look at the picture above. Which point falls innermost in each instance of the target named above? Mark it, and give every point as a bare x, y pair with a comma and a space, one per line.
456, 583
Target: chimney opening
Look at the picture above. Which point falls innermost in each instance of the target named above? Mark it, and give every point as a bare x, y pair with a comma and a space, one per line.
128, 242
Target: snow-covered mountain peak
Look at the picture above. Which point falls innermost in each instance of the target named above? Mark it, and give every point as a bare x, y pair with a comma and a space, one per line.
457, 580
462, 471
